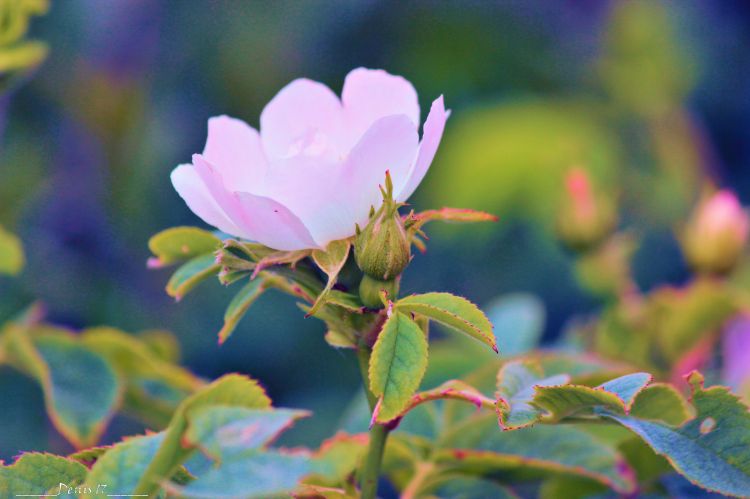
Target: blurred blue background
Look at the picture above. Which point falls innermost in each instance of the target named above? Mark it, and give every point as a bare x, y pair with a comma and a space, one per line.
653, 98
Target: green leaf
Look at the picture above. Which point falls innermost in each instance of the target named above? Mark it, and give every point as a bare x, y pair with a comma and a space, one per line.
713, 449
331, 261
123, 465
39, 474
239, 306
398, 362
452, 311
516, 384
153, 386
161, 342
347, 301
232, 435
250, 474
572, 487
577, 400
178, 244
661, 402
88, 457
234, 438
191, 274
233, 389
81, 390
532, 453
472, 488
11, 253
519, 320
648, 466
217, 428
337, 459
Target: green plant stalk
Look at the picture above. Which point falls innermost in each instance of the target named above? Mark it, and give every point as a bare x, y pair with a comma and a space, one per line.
368, 476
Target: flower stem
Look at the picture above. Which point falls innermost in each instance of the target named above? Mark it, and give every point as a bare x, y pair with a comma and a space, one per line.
378, 434
371, 468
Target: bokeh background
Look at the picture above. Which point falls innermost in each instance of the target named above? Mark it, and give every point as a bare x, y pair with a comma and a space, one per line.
651, 97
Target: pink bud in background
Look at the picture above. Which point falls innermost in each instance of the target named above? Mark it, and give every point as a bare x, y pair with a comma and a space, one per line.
722, 214
586, 217
579, 191
311, 173
717, 233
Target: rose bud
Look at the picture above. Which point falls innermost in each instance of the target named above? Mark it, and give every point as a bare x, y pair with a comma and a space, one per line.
716, 234
586, 217
382, 249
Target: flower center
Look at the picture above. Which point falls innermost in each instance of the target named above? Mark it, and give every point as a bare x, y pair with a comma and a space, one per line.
312, 142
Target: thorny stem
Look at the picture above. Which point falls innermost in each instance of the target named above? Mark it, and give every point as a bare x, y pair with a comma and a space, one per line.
378, 434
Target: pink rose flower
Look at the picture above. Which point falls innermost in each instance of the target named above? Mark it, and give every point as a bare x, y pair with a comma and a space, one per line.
312, 172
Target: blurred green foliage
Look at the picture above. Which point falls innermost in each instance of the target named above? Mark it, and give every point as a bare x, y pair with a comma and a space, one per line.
17, 55
511, 158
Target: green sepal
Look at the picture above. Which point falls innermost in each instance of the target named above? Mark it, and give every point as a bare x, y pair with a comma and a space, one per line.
331, 261
179, 244
191, 274
239, 306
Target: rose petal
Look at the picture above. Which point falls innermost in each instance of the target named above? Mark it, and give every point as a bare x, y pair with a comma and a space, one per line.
273, 224
371, 94
303, 118
389, 145
433, 132
261, 219
308, 187
330, 198
193, 191
234, 148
